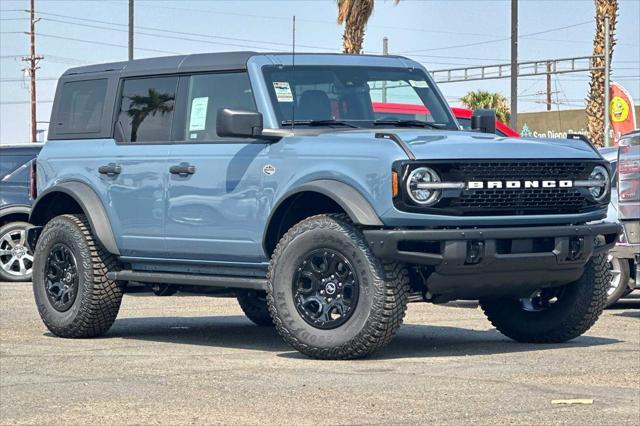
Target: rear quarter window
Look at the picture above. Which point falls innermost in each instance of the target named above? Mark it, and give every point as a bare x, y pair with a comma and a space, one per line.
81, 106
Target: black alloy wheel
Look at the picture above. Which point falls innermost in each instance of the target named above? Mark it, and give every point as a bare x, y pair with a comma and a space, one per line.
325, 289
61, 282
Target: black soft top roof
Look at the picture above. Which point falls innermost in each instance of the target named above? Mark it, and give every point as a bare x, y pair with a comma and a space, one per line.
169, 64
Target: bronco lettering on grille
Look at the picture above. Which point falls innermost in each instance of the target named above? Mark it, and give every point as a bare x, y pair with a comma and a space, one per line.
515, 184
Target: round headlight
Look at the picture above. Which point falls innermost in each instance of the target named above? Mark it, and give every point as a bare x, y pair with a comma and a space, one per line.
417, 186
600, 174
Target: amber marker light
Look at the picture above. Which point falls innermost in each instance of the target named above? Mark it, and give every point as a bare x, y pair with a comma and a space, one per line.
394, 184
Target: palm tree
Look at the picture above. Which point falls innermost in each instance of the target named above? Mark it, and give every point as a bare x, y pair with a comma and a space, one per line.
354, 14
483, 99
141, 107
595, 101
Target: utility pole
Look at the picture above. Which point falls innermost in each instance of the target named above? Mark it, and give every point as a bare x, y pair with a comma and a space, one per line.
548, 86
131, 30
385, 52
607, 69
32, 61
513, 121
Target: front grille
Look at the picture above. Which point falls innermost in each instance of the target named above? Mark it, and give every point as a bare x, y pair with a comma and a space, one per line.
505, 170
531, 201
516, 201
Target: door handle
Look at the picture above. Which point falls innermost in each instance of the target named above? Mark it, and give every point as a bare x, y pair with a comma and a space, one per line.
182, 169
110, 169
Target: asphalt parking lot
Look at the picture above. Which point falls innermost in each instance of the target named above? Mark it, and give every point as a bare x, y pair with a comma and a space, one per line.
197, 360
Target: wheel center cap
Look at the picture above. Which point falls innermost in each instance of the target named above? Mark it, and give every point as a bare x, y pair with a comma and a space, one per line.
330, 288
67, 277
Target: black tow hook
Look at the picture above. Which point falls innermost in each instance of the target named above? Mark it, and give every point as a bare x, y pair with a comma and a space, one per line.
475, 252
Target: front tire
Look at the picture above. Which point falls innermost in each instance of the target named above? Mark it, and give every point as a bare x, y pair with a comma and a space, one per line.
73, 294
329, 297
553, 315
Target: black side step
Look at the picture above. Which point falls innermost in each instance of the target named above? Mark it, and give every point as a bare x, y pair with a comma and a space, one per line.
188, 279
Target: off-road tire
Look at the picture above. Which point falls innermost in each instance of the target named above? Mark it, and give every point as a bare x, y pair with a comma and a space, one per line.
383, 291
254, 306
576, 310
98, 299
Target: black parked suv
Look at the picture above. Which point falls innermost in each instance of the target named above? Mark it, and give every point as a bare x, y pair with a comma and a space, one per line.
15, 205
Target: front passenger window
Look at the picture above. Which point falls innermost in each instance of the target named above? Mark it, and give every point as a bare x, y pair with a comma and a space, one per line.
207, 94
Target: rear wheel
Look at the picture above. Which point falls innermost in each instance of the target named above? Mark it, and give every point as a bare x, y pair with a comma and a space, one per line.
329, 297
16, 261
553, 315
73, 294
254, 306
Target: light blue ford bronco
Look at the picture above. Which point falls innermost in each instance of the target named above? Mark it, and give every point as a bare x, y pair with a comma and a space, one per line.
277, 180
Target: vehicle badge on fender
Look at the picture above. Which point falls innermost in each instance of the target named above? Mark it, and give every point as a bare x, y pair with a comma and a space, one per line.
268, 170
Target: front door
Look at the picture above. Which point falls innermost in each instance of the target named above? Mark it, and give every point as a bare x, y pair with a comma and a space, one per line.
215, 203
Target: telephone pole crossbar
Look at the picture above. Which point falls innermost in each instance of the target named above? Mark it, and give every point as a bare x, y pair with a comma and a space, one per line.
524, 69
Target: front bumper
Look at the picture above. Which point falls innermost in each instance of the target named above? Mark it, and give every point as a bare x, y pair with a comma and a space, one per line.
472, 263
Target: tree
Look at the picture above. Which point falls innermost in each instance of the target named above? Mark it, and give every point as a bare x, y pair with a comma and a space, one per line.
141, 107
482, 99
354, 14
595, 101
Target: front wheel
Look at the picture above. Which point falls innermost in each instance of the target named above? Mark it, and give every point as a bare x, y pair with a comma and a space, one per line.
553, 315
329, 297
73, 294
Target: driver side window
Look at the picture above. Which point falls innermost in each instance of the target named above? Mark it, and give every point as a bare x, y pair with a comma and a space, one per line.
207, 93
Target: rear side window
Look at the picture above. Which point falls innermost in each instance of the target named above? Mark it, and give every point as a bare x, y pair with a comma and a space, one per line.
81, 106
207, 94
146, 109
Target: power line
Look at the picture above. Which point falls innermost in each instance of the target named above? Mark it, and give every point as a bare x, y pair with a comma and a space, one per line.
500, 39
166, 31
105, 43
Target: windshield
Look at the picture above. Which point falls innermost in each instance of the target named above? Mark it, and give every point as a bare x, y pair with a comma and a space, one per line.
356, 96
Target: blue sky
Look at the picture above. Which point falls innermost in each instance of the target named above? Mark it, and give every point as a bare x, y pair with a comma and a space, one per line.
440, 34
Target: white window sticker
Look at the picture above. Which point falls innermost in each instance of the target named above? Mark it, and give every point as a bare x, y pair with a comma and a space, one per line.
283, 91
198, 118
419, 83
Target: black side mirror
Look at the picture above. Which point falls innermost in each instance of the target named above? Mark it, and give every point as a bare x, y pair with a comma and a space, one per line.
238, 123
484, 120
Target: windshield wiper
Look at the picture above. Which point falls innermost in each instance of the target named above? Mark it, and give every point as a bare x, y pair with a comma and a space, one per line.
405, 123
329, 122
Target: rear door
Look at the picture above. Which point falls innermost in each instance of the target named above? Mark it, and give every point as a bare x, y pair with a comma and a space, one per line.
215, 208
136, 189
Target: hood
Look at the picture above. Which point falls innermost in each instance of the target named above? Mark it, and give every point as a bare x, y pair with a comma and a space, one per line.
434, 144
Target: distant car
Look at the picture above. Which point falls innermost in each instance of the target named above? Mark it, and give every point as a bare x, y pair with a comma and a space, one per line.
383, 110
623, 271
15, 205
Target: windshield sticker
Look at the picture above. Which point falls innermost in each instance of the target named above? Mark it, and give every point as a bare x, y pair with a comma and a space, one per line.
419, 83
198, 118
283, 91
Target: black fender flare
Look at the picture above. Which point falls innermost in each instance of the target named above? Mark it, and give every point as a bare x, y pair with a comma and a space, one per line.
347, 197
92, 207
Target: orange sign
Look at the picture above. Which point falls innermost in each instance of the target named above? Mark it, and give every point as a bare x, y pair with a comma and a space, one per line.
621, 111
